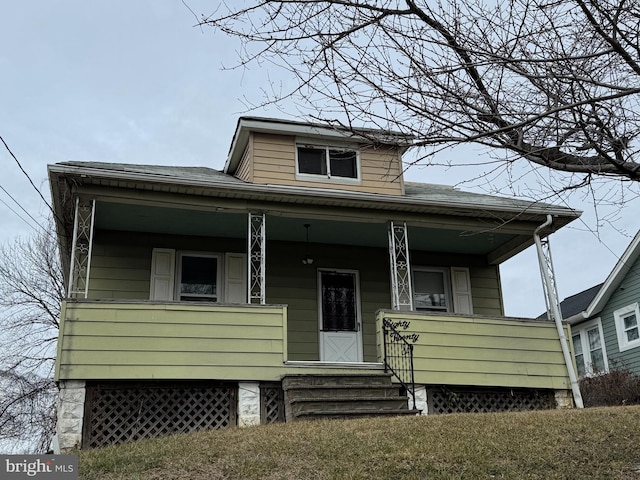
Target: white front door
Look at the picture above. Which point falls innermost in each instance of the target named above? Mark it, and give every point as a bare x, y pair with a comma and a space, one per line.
339, 316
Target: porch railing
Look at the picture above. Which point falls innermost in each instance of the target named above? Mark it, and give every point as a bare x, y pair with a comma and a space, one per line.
398, 358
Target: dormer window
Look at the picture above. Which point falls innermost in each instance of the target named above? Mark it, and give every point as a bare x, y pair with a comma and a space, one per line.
317, 162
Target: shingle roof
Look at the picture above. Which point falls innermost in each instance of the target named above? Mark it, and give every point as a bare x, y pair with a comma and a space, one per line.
446, 193
413, 190
577, 303
186, 173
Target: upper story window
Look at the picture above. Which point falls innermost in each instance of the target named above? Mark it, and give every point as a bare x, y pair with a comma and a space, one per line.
628, 326
317, 162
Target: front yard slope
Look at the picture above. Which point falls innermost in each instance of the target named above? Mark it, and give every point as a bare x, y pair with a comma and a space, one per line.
563, 444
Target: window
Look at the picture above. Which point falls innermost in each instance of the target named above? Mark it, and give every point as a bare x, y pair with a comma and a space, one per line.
627, 327
198, 277
588, 348
431, 290
331, 163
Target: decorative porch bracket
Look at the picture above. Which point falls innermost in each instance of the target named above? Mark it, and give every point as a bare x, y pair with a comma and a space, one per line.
81, 248
402, 296
256, 263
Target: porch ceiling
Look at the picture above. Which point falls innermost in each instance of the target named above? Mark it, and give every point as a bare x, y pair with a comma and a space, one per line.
369, 233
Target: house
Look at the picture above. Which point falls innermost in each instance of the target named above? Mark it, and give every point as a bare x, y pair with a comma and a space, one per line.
307, 279
604, 319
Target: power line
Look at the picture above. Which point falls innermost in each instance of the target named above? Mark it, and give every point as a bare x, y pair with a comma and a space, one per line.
27, 175
17, 214
51, 209
21, 208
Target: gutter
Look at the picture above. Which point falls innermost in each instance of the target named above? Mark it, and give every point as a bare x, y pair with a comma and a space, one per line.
553, 308
577, 318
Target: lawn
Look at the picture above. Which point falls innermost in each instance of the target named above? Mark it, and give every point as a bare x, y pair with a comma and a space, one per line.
563, 444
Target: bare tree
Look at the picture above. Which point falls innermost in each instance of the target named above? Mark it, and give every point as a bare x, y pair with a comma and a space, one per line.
554, 81
31, 291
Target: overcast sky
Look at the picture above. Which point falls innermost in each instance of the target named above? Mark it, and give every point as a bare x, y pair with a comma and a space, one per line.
136, 82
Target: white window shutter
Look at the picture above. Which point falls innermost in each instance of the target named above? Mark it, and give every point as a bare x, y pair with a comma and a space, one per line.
163, 268
461, 286
235, 273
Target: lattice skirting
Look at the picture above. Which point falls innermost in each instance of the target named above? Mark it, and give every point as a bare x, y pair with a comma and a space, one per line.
445, 399
123, 412
271, 403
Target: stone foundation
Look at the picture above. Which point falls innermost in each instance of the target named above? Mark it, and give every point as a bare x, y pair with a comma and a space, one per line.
564, 399
71, 398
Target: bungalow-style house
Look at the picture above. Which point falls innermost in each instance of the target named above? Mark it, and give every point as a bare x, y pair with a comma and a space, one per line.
605, 319
307, 279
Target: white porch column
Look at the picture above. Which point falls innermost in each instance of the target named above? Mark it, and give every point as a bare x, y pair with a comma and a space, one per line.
402, 292
80, 264
71, 398
256, 264
248, 404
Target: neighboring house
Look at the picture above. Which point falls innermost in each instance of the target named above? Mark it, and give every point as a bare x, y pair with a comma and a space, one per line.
605, 319
280, 287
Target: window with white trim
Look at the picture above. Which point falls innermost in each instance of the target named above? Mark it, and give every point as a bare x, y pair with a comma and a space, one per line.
588, 348
320, 162
198, 277
431, 289
628, 327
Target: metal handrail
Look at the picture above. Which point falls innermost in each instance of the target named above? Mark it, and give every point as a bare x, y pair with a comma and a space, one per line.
398, 357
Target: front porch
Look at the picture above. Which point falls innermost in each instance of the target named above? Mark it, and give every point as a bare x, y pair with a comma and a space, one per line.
135, 340
127, 359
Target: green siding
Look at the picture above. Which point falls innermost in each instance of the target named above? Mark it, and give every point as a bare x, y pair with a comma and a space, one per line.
291, 282
486, 291
626, 294
121, 265
484, 351
101, 340
142, 340
121, 261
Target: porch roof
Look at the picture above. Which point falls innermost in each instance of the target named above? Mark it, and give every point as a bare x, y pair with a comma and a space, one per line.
463, 222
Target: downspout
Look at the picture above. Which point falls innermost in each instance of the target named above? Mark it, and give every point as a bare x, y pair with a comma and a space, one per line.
553, 310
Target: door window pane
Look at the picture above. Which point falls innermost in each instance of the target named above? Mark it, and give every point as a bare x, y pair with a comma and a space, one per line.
198, 278
338, 293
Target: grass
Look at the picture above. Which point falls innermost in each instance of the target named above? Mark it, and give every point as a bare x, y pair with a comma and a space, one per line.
555, 444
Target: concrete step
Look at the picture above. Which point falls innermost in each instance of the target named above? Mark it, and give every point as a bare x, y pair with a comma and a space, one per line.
348, 414
301, 380
331, 392
355, 404
342, 396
